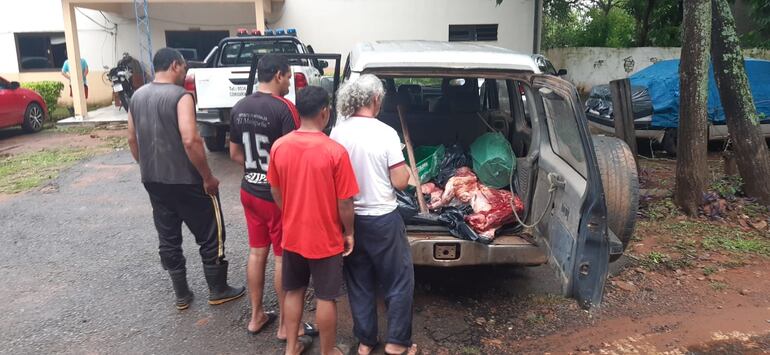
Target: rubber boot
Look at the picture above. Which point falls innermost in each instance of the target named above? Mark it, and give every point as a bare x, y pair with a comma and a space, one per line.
183, 294
219, 291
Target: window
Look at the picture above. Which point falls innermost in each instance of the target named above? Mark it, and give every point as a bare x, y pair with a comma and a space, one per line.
460, 33
240, 53
41, 51
565, 135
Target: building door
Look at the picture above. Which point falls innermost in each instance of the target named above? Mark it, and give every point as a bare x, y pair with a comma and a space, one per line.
194, 45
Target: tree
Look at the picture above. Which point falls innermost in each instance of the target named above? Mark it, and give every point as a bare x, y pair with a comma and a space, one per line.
752, 156
658, 22
691, 170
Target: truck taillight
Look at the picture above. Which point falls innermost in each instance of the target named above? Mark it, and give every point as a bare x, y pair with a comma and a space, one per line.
300, 81
189, 83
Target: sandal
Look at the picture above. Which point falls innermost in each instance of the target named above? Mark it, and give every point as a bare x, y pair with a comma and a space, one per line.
406, 352
354, 351
308, 329
271, 317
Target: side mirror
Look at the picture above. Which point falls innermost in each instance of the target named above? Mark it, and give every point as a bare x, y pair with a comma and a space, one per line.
561, 72
14, 85
323, 64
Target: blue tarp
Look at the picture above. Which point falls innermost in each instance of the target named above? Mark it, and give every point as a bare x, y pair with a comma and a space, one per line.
662, 82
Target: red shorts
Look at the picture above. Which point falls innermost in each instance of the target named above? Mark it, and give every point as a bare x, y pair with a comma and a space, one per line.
263, 221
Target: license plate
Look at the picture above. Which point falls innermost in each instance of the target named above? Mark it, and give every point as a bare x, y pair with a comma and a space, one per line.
117, 87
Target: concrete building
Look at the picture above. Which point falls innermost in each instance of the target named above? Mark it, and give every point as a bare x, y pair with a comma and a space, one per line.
34, 45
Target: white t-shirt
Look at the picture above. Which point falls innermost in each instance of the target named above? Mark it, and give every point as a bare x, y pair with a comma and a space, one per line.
374, 148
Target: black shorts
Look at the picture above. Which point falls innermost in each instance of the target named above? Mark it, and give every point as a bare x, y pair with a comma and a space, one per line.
326, 272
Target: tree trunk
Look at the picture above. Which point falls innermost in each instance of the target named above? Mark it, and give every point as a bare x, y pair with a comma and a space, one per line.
644, 34
751, 154
692, 137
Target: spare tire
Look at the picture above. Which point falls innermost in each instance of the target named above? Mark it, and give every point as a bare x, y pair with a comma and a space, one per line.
621, 186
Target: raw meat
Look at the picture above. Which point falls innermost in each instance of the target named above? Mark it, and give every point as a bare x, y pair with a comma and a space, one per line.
434, 191
491, 207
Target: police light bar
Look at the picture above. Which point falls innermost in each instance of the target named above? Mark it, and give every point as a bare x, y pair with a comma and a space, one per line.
291, 32
242, 32
256, 32
280, 32
269, 33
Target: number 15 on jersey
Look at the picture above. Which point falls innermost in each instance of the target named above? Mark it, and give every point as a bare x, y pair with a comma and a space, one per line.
260, 142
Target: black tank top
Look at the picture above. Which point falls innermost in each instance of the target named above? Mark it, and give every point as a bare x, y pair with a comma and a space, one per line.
162, 158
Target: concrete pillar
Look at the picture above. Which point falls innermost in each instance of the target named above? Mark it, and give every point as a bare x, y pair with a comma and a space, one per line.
73, 55
259, 8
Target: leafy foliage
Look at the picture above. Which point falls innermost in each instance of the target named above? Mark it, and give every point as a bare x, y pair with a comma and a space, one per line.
633, 23
49, 90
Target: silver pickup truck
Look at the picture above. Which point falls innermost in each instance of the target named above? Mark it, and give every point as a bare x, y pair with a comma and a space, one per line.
580, 192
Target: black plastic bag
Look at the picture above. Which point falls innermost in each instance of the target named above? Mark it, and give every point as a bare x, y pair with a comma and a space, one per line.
454, 219
454, 157
407, 205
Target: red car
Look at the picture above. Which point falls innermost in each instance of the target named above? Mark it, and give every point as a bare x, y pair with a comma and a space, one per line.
20, 106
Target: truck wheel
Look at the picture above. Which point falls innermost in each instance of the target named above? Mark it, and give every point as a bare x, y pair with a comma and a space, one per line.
216, 143
621, 186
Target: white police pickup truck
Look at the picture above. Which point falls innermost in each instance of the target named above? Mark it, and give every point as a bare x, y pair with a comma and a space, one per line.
221, 80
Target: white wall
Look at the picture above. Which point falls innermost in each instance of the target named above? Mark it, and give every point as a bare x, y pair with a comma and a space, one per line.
589, 66
329, 25
46, 16
335, 25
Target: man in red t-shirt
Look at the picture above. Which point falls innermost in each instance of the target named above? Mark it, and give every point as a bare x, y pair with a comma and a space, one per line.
313, 183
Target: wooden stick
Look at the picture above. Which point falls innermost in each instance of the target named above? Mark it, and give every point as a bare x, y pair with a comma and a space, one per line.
412, 162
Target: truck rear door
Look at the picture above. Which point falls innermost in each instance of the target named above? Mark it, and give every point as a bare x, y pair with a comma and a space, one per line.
569, 190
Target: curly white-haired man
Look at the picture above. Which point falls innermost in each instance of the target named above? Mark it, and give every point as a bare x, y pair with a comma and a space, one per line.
382, 255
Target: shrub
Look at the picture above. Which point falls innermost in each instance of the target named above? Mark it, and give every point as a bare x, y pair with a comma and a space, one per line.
49, 90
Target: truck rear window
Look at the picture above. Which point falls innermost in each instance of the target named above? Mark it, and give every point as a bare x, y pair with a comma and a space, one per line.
240, 53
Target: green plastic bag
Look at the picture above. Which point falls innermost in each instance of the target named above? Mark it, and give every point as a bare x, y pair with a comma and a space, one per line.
428, 161
493, 160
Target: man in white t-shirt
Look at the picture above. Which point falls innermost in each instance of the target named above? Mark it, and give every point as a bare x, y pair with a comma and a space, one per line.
382, 255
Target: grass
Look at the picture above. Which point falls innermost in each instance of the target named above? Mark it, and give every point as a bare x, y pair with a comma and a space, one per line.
116, 142
535, 319
718, 286
29, 170
708, 270
738, 243
718, 237
754, 210
661, 209
79, 130
727, 187
59, 113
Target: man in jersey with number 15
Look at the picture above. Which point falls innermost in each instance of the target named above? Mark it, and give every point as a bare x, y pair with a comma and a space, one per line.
257, 121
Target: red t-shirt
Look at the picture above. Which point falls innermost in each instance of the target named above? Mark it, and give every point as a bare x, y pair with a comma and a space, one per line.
312, 172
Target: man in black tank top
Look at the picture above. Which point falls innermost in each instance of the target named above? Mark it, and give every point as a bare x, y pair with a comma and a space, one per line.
164, 140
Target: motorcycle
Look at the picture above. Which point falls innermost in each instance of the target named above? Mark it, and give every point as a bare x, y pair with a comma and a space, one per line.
120, 78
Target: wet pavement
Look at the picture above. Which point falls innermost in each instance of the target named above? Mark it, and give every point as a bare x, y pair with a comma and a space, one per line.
80, 274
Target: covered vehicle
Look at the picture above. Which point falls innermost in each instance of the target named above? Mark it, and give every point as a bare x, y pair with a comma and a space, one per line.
655, 96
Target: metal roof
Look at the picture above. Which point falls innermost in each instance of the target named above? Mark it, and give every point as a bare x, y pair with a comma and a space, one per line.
437, 54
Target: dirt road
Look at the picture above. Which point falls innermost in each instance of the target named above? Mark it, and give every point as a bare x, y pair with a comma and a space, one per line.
80, 274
